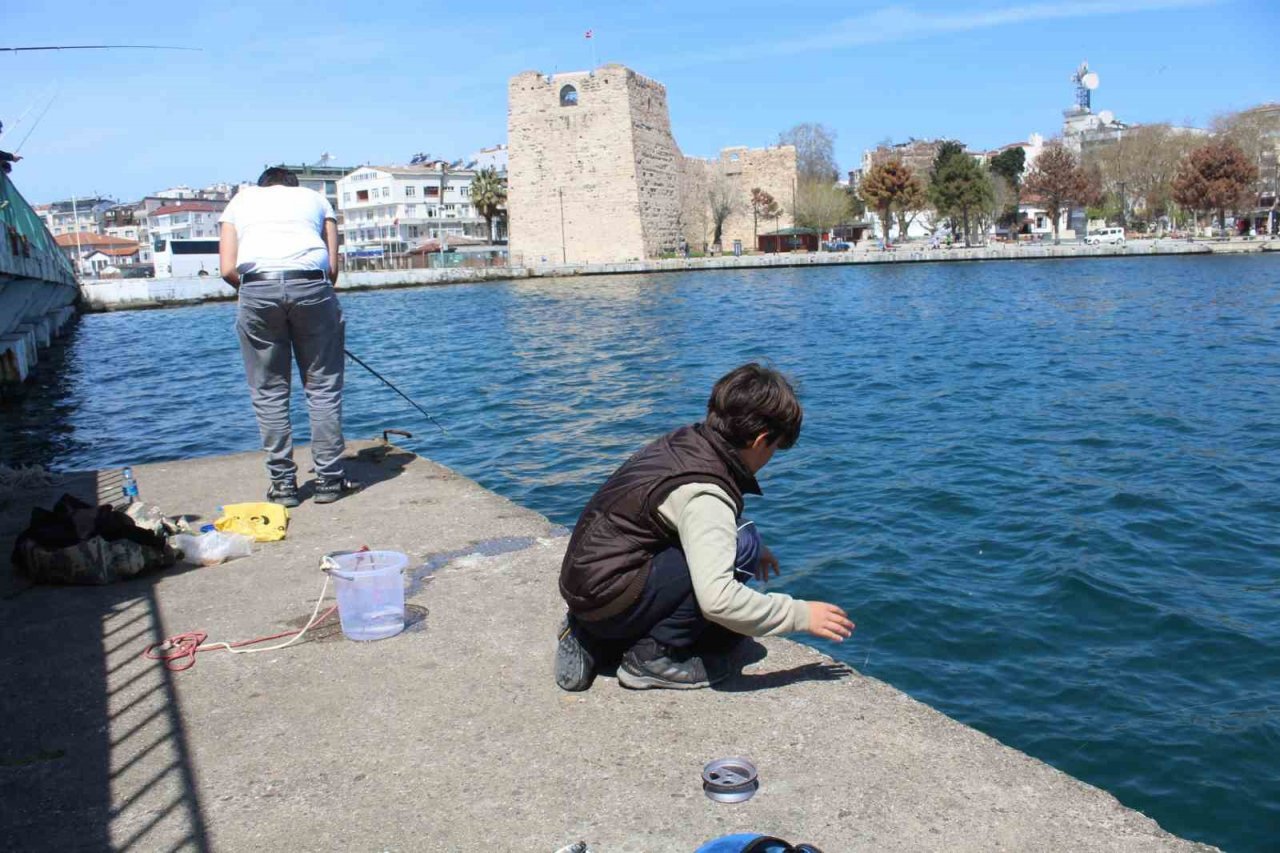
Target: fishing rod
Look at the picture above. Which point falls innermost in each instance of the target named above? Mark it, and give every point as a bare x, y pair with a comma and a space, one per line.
390, 385
100, 47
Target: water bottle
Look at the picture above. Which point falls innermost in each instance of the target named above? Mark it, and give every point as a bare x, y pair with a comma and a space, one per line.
130, 486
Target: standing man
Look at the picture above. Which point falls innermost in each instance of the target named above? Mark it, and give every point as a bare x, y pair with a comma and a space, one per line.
279, 250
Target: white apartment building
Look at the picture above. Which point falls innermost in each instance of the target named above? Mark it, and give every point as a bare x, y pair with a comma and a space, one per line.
390, 209
185, 220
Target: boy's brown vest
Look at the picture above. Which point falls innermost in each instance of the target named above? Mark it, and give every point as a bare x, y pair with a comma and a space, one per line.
612, 548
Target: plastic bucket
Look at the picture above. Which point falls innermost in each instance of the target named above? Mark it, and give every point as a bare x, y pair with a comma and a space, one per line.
370, 590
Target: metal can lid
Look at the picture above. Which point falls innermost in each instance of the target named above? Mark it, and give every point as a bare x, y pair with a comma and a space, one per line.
730, 780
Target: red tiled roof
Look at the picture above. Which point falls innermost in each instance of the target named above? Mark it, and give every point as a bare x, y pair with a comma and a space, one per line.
118, 251
88, 238
187, 206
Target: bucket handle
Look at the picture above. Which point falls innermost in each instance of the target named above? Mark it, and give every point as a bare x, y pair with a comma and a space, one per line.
329, 566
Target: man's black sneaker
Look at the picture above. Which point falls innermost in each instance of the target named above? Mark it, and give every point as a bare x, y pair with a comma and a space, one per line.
284, 492
575, 657
328, 491
649, 663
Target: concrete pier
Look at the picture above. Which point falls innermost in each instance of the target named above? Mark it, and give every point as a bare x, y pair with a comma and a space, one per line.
452, 735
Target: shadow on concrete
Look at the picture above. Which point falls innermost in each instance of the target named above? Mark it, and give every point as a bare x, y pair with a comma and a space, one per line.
748, 682
368, 467
93, 750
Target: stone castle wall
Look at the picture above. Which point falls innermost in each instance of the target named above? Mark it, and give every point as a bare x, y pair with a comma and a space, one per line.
611, 166
572, 195
770, 169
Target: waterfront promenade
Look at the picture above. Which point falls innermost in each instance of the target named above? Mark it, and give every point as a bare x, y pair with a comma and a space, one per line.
125, 294
452, 736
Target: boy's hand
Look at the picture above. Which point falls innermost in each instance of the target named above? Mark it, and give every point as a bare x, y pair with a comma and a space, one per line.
829, 622
767, 562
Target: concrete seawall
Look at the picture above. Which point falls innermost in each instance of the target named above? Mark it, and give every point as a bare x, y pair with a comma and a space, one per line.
452, 735
125, 294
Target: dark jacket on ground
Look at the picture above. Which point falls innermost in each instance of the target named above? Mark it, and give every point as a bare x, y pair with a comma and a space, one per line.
613, 543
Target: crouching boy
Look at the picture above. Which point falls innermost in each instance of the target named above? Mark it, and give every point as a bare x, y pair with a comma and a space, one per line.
656, 563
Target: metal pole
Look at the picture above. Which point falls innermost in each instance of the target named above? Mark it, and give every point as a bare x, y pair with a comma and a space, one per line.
75, 223
564, 253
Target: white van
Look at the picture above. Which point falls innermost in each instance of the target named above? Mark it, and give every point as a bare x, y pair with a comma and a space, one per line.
1106, 235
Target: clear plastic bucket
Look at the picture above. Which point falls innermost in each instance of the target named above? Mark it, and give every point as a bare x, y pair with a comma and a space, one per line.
370, 590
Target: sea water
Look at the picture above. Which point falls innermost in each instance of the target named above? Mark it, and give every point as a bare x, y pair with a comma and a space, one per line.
1047, 492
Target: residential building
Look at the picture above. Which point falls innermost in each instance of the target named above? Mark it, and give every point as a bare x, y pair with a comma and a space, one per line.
491, 158
321, 177
94, 254
76, 214
185, 220
214, 192
390, 209
128, 222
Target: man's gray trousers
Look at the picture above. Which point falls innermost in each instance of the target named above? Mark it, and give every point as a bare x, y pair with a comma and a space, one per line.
301, 320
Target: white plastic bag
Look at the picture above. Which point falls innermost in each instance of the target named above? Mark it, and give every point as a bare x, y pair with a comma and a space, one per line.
212, 548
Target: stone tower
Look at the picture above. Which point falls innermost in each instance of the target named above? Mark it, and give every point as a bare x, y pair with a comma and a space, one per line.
594, 169
595, 175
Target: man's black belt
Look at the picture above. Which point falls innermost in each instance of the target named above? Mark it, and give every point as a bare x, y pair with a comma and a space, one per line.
284, 275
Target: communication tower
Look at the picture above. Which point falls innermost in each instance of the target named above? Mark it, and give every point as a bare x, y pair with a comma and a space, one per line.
1086, 81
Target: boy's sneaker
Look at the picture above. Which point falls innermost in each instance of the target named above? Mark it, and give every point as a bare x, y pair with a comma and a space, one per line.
328, 491
284, 492
575, 657
649, 663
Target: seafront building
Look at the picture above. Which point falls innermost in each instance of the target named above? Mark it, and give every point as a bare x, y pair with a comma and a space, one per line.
74, 214
389, 210
596, 175
98, 254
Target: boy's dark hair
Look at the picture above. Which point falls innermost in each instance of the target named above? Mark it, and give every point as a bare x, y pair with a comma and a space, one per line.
277, 176
755, 399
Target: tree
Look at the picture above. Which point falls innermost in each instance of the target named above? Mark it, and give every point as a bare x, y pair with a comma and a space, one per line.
1139, 167
910, 205
488, 196
1058, 181
821, 205
886, 186
815, 151
763, 206
722, 201
1217, 176
961, 186
1009, 165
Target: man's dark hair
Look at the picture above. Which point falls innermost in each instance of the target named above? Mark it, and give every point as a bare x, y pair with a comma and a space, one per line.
751, 400
277, 176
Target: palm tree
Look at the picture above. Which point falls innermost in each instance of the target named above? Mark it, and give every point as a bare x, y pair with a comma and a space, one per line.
488, 195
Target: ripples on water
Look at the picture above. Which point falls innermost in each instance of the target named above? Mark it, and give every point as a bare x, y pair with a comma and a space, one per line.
1046, 491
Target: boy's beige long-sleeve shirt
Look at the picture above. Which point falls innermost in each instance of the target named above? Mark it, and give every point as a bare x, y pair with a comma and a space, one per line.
704, 517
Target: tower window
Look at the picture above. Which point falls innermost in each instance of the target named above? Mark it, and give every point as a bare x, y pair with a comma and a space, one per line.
568, 97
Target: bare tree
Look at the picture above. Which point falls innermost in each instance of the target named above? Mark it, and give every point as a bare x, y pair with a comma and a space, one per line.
815, 151
1058, 181
763, 206
722, 201
821, 205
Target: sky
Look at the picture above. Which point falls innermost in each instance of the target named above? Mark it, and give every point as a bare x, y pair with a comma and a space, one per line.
378, 82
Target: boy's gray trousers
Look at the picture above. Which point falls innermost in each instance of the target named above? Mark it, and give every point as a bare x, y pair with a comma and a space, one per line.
301, 320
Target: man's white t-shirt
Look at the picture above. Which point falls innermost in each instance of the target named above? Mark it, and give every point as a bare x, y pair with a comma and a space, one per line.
279, 228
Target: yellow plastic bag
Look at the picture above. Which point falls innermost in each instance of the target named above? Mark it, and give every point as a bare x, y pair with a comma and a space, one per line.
263, 522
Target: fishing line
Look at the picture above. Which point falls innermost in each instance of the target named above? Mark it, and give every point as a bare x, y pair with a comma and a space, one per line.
392, 386
36, 123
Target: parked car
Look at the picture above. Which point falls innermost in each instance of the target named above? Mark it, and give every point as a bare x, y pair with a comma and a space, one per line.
836, 246
1106, 235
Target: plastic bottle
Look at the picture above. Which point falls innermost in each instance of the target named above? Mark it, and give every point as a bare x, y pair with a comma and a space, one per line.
130, 486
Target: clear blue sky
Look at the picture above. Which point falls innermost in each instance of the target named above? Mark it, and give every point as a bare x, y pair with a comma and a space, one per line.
375, 82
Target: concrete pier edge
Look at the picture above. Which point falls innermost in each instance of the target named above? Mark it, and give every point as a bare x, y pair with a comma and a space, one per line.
452, 735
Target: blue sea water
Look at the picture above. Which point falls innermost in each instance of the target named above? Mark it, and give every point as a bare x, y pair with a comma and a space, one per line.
1046, 491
